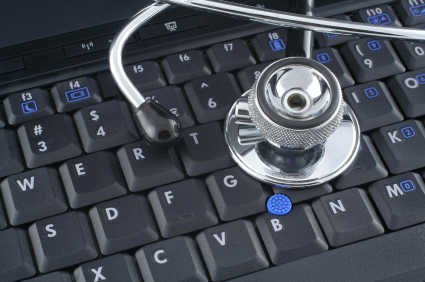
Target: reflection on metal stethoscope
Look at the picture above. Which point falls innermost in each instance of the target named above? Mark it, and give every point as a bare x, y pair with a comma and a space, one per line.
292, 128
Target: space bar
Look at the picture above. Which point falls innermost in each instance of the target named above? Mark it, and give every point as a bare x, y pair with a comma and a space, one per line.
398, 256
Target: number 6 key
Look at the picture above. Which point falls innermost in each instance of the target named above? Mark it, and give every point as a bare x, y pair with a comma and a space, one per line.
49, 140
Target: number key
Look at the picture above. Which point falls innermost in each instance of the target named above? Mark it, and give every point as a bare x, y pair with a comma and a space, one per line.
49, 140
247, 76
371, 59
412, 53
332, 60
74, 94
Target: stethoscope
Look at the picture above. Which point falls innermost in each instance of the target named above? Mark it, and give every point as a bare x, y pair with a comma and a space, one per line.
292, 128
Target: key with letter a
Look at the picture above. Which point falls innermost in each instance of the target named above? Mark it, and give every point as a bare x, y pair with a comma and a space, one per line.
400, 199
62, 241
347, 216
231, 250
49, 140
33, 195
119, 268
402, 145
293, 236
175, 259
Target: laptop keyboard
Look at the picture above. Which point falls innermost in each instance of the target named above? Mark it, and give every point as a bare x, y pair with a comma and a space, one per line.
84, 198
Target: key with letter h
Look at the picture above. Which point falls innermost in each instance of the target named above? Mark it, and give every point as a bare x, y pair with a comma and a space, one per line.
402, 145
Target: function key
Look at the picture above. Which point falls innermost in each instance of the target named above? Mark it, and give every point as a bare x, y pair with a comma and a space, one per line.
367, 167
232, 249
293, 236
330, 39
212, 96
10, 161
400, 199
230, 56
185, 66
108, 85
105, 125
33, 195
74, 94
378, 15
332, 60
49, 140
373, 105
411, 11
371, 59
176, 259
408, 88
172, 98
402, 145
62, 241
28, 105
347, 216
145, 75
247, 76
145, 167
15, 255
412, 53
270, 46
182, 207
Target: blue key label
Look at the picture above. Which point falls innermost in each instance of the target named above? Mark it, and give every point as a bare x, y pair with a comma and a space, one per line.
277, 45
77, 94
371, 92
29, 107
418, 11
323, 58
408, 132
373, 45
407, 185
381, 19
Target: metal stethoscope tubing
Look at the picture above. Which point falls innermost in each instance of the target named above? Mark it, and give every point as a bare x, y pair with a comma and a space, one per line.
278, 18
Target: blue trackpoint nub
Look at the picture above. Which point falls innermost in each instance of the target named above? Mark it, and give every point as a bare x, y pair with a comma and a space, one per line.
279, 204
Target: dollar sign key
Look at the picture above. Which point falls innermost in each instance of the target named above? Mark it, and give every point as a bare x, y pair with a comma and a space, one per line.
95, 117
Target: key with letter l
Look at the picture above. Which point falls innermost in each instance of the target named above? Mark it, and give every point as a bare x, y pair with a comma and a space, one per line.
347, 216
62, 241
49, 140
175, 259
402, 145
231, 250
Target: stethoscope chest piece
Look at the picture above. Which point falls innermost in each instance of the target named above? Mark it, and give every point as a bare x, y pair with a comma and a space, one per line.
293, 128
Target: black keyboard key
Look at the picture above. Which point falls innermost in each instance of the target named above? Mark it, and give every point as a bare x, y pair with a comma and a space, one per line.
247, 76
123, 223
230, 56
347, 216
330, 39
33, 195
105, 125
300, 195
412, 53
49, 140
172, 98
212, 96
28, 105
408, 89
236, 194
402, 145
171, 260
185, 66
62, 241
231, 250
91, 179
203, 149
74, 94
2, 119
146, 167
15, 255
108, 86
411, 12
182, 207
293, 236
3, 222
390, 257
371, 59
373, 105
378, 15
119, 268
400, 199
366, 168
333, 61
145, 75
270, 46
10, 158
58, 276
